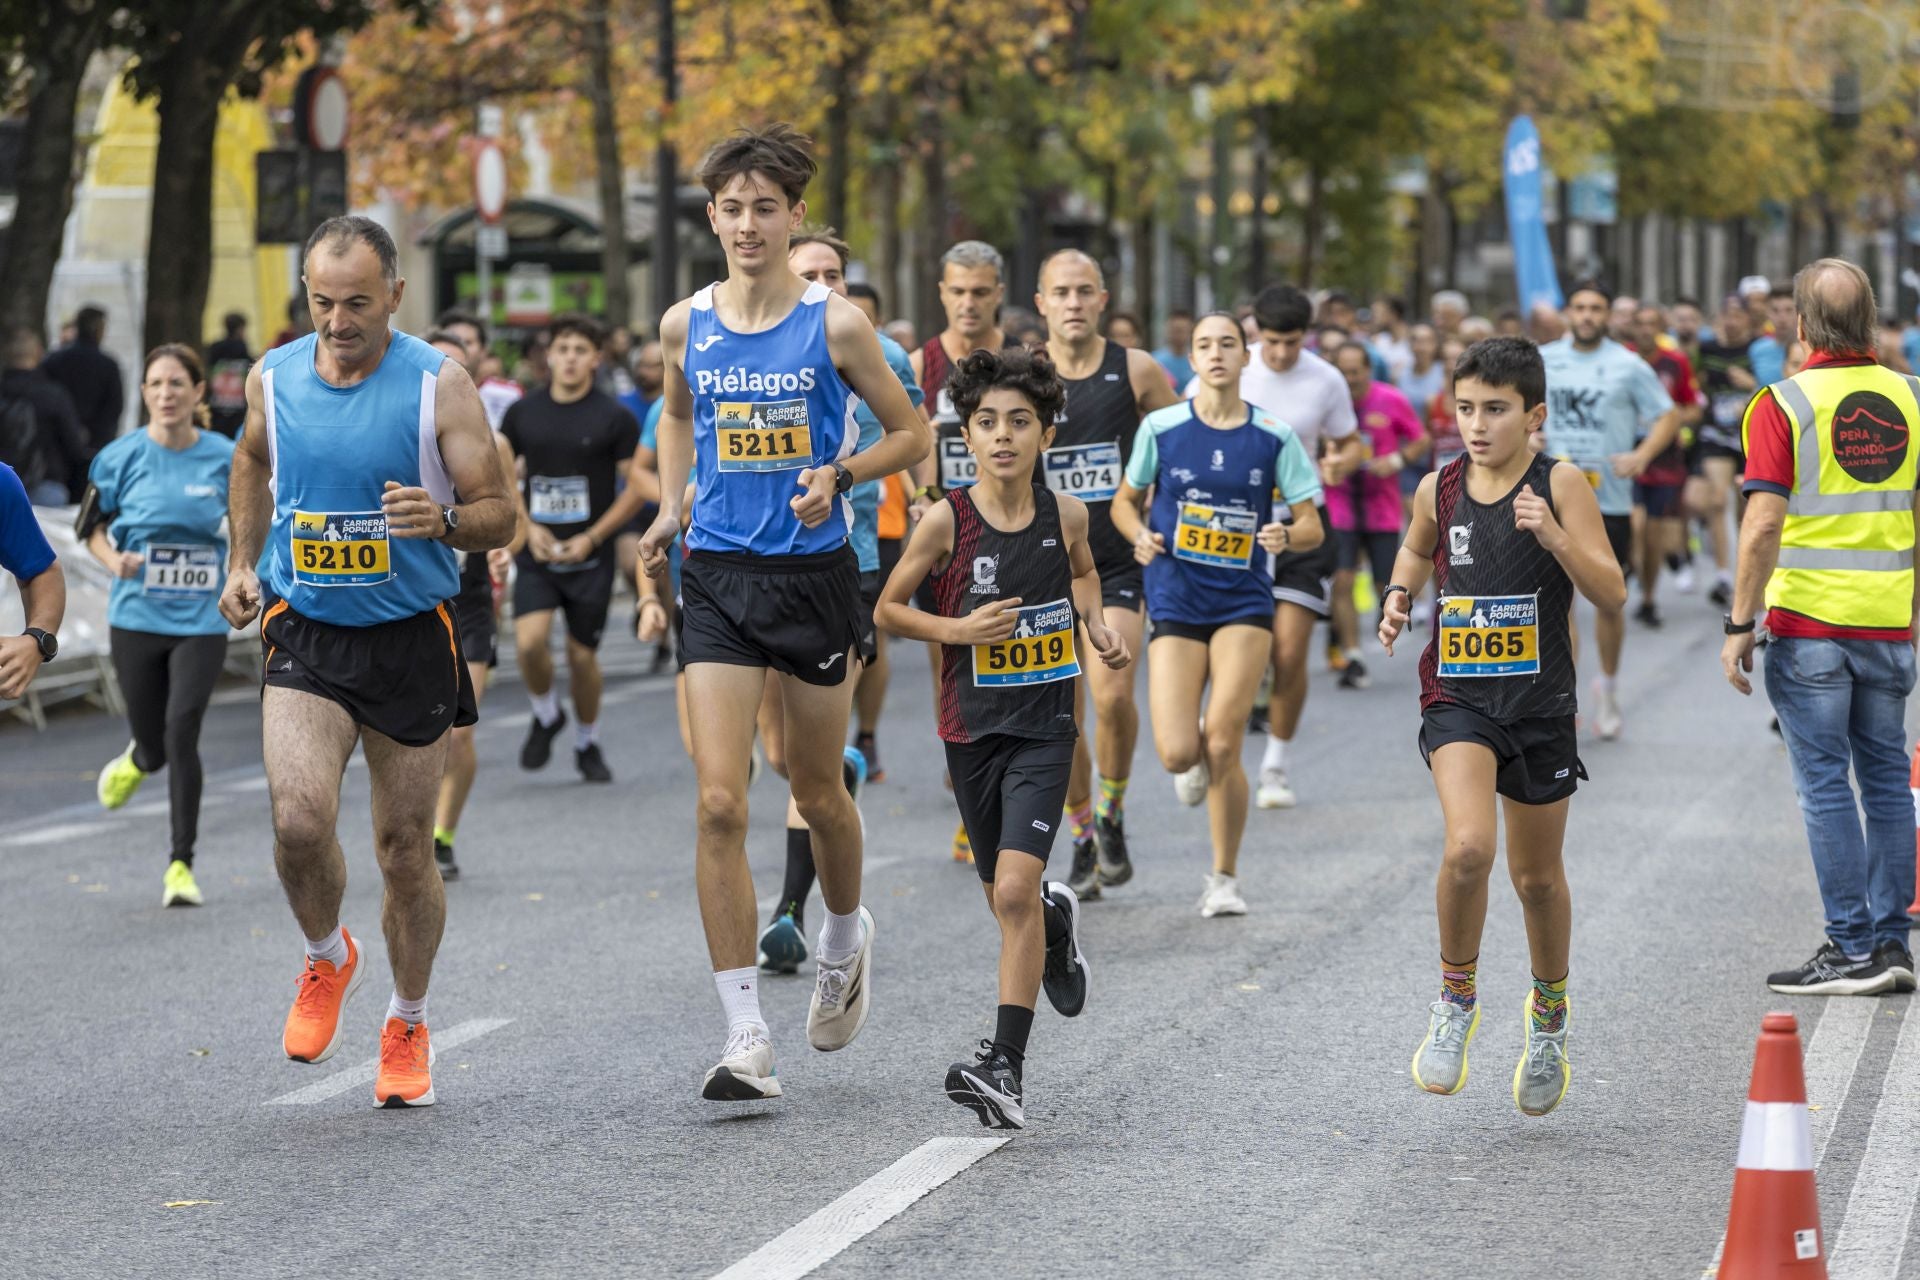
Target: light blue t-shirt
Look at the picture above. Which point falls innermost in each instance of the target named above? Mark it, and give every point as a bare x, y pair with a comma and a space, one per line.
166, 505
1910, 346
1179, 368
866, 497
650, 425
1599, 403
1769, 358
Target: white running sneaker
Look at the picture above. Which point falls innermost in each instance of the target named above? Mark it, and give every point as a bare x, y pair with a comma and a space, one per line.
1222, 897
841, 994
1421, 615
1191, 786
1683, 578
745, 1071
1274, 793
1606, 717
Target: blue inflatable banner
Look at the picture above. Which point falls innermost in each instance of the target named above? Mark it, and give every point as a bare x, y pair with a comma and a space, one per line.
1526, 221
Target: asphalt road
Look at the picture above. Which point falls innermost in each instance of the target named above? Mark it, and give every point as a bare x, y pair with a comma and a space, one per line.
1234, 1102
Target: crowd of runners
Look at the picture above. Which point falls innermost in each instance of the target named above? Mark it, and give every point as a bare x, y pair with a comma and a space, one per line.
1034, 494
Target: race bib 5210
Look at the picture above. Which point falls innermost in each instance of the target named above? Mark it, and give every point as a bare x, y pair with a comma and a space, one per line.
1489, 636
1218, 536
175, 572
340, 548
957, 467
557, 499
764, 435
1039, 651
1089, 472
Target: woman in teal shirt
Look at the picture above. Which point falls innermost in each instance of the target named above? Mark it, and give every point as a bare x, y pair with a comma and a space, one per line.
153, 512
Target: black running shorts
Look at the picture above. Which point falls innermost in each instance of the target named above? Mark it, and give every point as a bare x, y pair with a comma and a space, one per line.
1123, 584
1620, 538
584, 592
1305, 578
869, 634
1204, 632
1662, 501
799, 615
405, 679
473, 613
1538, 758
1011, 792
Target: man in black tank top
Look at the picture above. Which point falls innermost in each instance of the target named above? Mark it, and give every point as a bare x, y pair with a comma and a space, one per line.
1014, 586
1508, 536
1109, 389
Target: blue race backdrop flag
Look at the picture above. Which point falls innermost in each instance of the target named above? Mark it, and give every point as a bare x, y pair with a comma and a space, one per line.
1526, 221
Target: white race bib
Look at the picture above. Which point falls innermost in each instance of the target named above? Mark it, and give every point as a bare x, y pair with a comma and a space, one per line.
557, 499
181, 572
957, 467
1089, 472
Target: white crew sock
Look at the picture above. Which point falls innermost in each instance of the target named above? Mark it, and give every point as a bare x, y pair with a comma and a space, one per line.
585, 735
332, 948
1353, 651
839, 937
1606, 683
546, 706
413, 1011
1276, 756
740, 998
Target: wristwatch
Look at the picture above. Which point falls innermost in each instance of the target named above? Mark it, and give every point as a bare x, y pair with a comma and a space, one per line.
49, 644
842, 478
450, 518
1737, 628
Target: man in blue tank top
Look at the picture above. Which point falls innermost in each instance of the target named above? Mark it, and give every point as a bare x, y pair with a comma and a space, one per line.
762, 370
365, 463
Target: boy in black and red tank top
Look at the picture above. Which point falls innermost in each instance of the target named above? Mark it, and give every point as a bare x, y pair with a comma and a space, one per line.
1508, 536
1013, 584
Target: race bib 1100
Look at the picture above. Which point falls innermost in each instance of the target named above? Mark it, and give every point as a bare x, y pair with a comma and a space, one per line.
175, 572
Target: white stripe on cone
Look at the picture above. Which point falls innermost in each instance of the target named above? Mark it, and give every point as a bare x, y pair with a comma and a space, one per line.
1776, 1136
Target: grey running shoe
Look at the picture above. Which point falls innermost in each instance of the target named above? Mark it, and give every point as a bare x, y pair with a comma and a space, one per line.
842, 995
1084, 876
1440, 1063
1543, 1074
745, 1072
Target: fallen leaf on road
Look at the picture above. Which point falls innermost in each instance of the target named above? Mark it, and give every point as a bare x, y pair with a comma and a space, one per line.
536, 897
93, 888
199, 1053
1249, 986
499, 968
188, 1204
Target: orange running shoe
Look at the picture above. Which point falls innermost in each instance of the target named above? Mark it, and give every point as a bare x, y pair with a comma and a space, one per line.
313, 1024
406, 1066
962, 847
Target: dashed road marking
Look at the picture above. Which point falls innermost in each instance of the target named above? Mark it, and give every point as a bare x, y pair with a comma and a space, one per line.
363, 1073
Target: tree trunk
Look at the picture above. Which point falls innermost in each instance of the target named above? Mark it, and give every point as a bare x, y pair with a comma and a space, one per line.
886, 258
180, 233
666, 174
933, 187
1257, 220
839, 124
610, 178
47, 168
1313, 228
1144, 233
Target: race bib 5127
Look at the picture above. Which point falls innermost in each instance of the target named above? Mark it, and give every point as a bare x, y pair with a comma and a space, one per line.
1489, 636
1089, 472
1039, 651
340, 548
1219, 536
176, 572
763, 435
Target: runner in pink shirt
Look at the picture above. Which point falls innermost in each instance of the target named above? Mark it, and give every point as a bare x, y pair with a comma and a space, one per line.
1363, 504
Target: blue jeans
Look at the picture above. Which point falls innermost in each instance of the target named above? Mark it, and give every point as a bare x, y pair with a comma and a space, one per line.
1841, 700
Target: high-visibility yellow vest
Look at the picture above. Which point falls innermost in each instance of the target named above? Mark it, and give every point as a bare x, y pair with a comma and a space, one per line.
1846, 549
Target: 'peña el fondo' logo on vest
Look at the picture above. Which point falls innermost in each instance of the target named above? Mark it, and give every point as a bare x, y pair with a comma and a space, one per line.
1869, 437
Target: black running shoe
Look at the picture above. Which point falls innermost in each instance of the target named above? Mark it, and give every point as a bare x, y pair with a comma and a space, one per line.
443, 858
1084, 879
592, 766
864, 743
990, 1086
1899, 962
1830, 973
538, 748
1110, 847
1257, 720
1066, 973
1354, 675
1721, 595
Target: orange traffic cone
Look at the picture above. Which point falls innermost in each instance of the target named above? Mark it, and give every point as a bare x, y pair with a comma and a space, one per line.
1913, 785
1773, 1228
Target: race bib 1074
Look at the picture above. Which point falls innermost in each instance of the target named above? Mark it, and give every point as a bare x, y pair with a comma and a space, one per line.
957, 467
1089, 472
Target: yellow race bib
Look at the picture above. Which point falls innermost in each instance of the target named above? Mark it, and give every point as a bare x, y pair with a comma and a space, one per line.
1218, 536
1489, 636
340, 548
763, 435
1039, 651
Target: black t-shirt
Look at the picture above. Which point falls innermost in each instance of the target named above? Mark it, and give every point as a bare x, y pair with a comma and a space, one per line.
1726, 403
227, 363
574, 454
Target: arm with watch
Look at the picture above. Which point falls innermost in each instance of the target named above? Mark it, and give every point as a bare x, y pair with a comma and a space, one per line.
44, 598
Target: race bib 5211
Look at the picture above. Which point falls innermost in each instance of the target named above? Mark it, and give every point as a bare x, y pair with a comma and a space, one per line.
340, 548
1489, 636
1219, 536
957, 467
1039, 651
175, 572
763, 435
1089, 472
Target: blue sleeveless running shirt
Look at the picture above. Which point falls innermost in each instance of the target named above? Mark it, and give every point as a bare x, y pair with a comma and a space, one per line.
332, 450
765, 405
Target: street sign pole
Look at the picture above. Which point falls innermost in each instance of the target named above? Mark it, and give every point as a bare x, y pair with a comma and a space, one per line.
489, 206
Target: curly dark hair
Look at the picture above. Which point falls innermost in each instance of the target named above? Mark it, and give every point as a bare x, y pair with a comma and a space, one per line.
1029, 372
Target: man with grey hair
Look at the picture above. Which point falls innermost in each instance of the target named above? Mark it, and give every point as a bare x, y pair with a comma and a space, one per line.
1827, 548
1448, 309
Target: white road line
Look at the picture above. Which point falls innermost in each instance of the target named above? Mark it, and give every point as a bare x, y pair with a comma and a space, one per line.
1833, 1055
807, 1245
341, 1081
56, 834
1873, 1234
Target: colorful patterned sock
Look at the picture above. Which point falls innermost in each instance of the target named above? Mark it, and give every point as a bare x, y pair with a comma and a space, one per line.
1113, 798
1082, 820
1457, 982
1548, 1009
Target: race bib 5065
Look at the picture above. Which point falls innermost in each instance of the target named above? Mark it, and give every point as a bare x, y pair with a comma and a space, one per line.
1489, 636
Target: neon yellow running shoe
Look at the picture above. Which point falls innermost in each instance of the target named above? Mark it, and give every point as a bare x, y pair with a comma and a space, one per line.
179, 889
962, 847
119, 780
1543, 1074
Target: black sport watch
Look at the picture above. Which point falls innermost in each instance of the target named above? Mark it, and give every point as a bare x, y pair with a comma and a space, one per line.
1737, 628
842, 478
48, 642
450, 518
